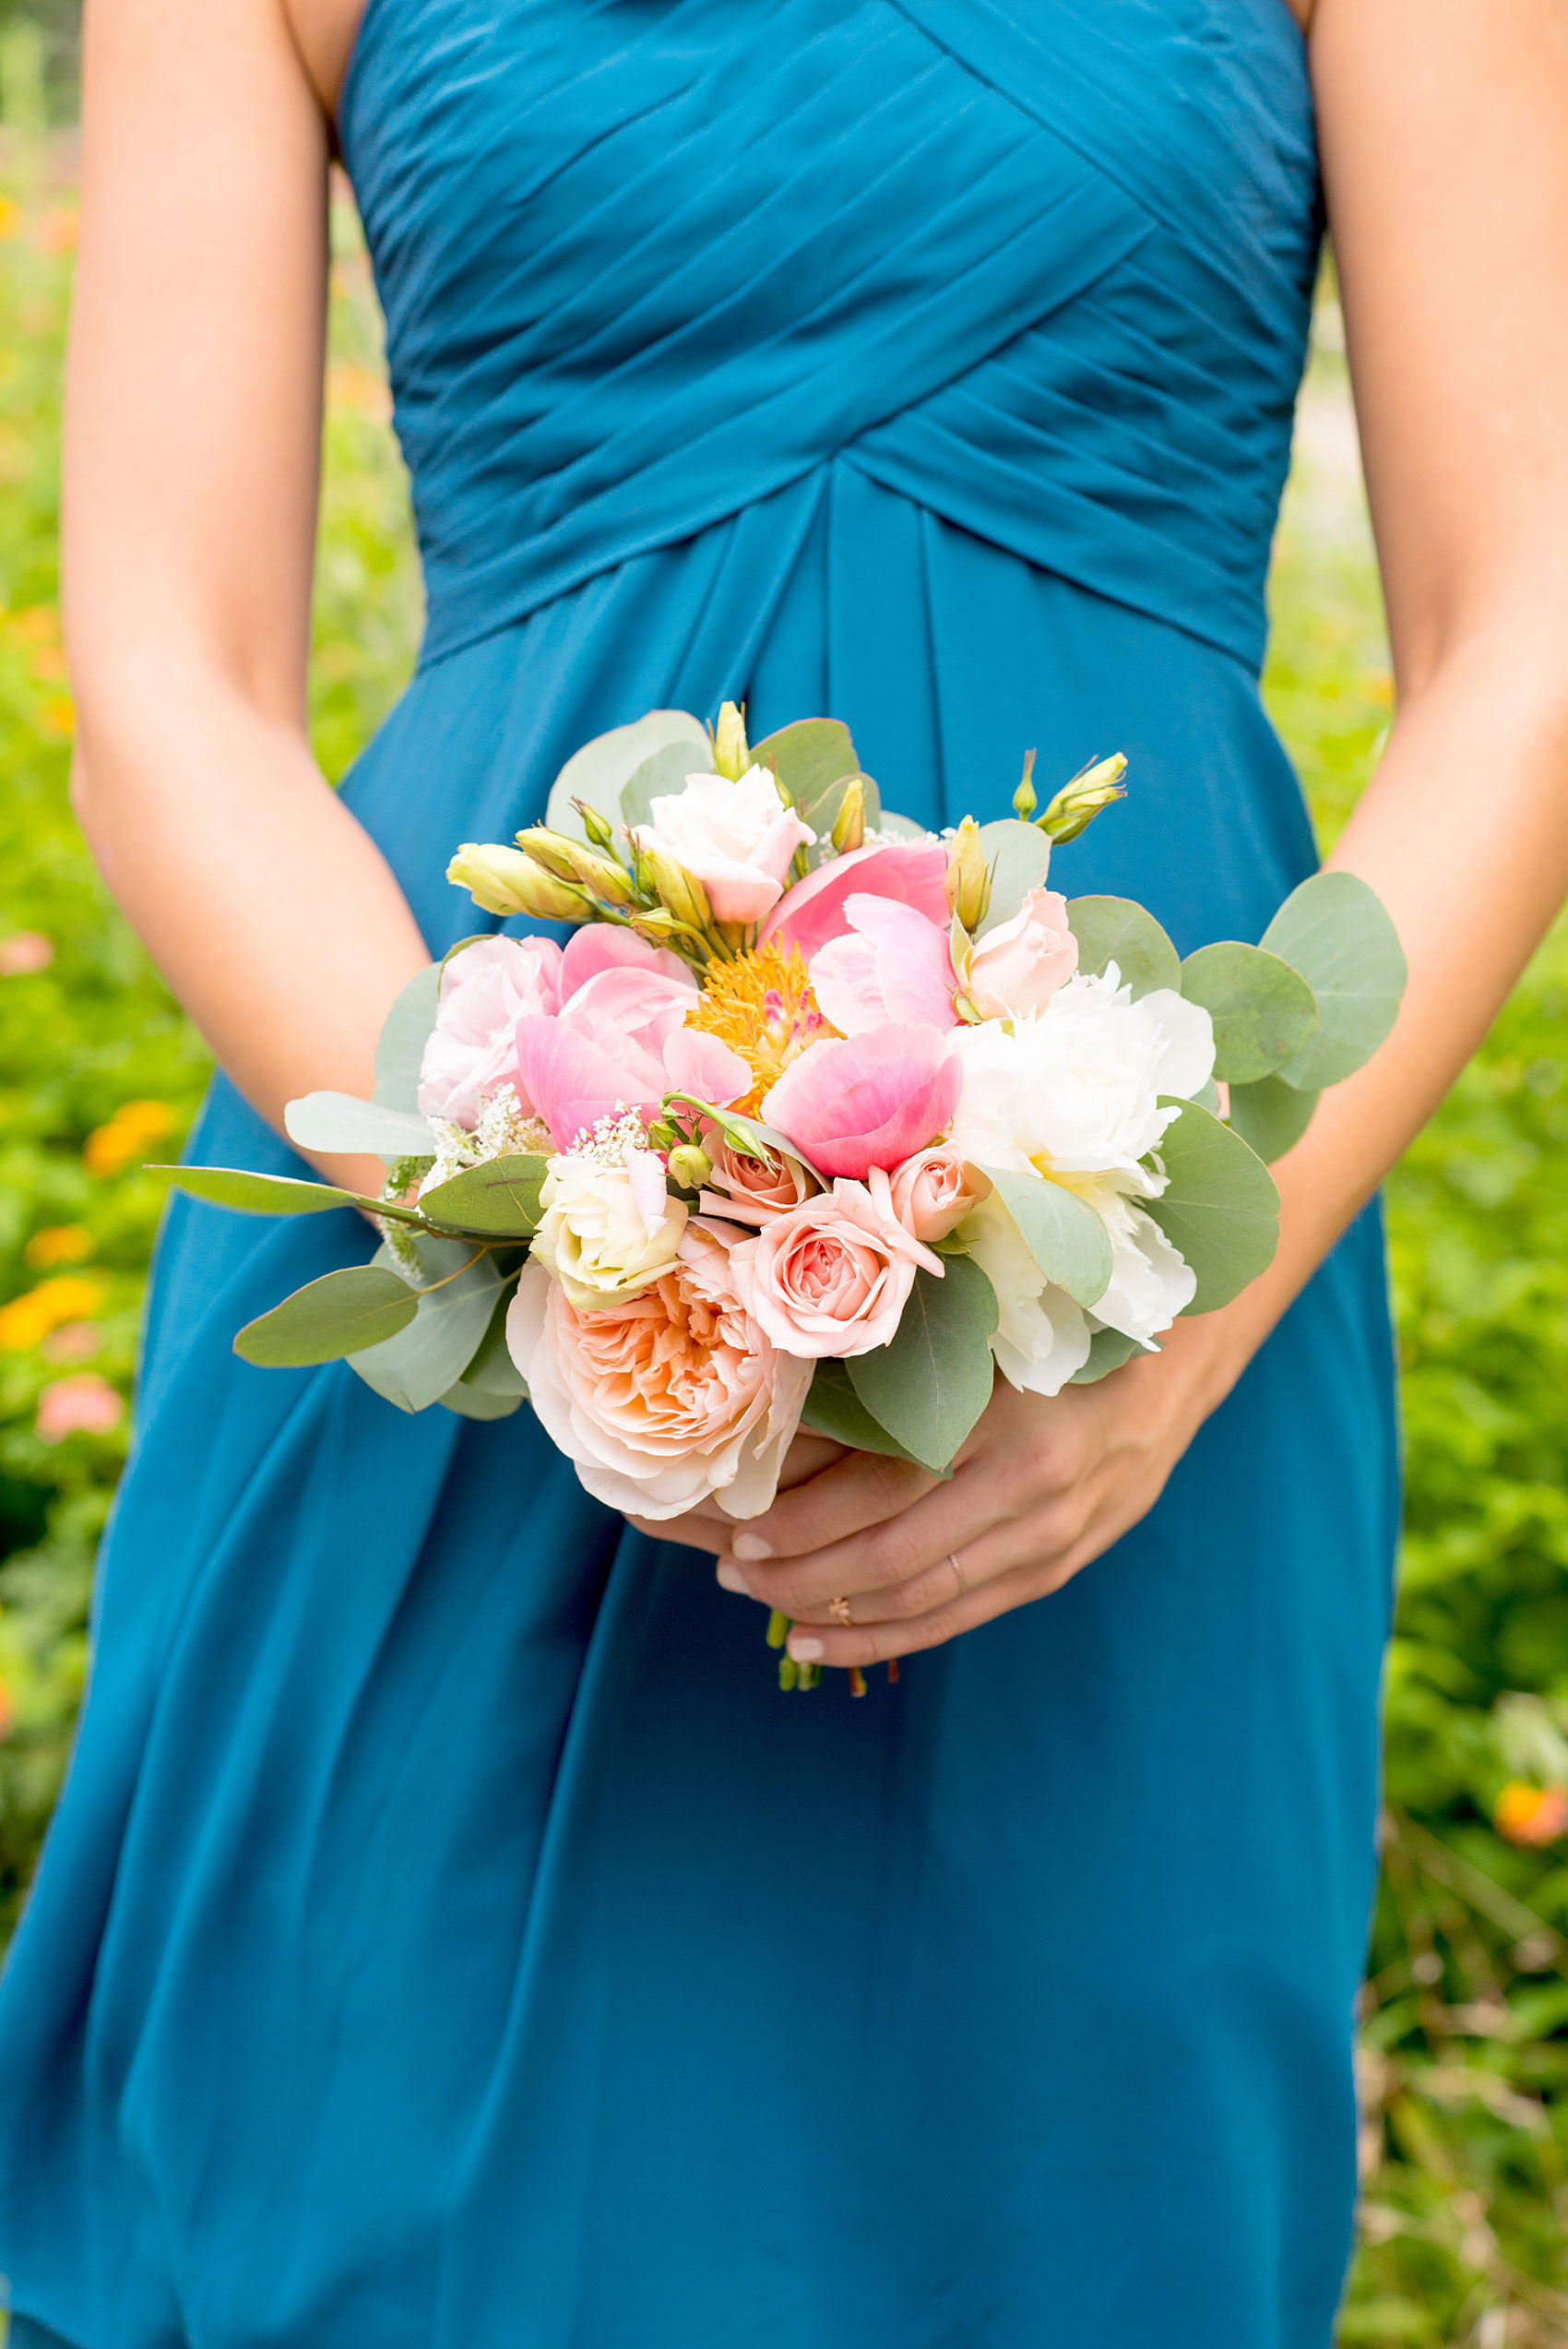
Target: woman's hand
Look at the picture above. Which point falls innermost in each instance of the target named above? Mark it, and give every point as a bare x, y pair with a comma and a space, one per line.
1040, 1488
709, 1529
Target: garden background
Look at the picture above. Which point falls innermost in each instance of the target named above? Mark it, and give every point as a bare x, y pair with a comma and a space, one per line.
1464, 2066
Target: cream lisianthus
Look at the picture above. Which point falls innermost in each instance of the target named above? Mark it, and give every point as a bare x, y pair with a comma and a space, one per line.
608, 1231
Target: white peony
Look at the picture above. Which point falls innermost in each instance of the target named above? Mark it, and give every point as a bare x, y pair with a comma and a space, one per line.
1041, 1337
1150, 1284
608, 1231
737, 839
1075, 1091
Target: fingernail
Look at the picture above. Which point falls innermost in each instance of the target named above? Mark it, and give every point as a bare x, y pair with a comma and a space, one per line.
731, 1578
804, 1651
751, 1545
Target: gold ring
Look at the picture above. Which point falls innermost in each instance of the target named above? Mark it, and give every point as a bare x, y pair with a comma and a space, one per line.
839, 1610
959, 1575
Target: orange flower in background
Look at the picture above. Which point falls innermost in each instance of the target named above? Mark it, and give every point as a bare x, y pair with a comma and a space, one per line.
27, 951
1531, 1815
74, 1341
84, 1405
56, 232
110, 1148
7, 1711
58, 1244
762, 1007
28, 1320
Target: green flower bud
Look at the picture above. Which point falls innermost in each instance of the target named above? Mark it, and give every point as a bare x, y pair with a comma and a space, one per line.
850, 824
678, 891
1077, 803
730, 755
600, 833
690, 1165
969, 876
504, 881
1024, 800
570, 860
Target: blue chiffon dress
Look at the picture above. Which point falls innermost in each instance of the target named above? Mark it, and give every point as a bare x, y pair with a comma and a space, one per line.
449, 1936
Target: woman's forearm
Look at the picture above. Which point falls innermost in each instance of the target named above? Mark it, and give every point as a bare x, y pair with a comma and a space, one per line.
273, 915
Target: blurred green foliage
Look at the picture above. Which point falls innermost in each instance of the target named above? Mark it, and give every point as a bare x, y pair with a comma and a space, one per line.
1466, 2058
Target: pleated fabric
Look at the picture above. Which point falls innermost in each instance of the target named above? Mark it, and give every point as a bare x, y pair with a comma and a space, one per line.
449, 1936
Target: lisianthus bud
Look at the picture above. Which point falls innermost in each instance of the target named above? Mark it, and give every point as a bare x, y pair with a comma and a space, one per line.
506, 881
690, 1165
675, 889
968, 880
569, 859
600, 833
731, 756
1024, 800
1077, 803
850, 824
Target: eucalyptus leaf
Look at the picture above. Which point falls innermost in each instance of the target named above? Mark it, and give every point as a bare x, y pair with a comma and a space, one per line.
600, 771
492, 1371
327, 1318
499, 1199
1112, 929
1017, 854
1263, 1011
834, 1409
479, 1402
1219, 1208
456, 1295
344, 1122
1108, 1349
931, 1382
249, 1194
1065, 1237
892, 826
664, 775
404, 1034
1333, 930
1271, 1116
809, 758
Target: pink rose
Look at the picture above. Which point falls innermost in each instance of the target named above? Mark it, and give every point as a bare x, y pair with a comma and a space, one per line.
934, 1190
1019, 965
871, 1100
84, 1405
832, 1275
912, 872
484, 991
667, 1399
746, 1190
892, 963
737, 839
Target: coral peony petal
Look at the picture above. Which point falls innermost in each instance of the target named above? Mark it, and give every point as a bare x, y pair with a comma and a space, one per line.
913, 872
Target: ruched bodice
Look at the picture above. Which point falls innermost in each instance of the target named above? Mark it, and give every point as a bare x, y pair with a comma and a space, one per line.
646, 265
450, 1938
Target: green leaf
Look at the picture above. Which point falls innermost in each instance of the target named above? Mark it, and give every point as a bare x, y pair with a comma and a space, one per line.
492, 1371
343, 1122
930, 1384
834, 1409
1065, 1237
1220, 1207
479, 1402
404, 1034
1108, 1349
1271, 1116
1334, 931
255, 1193
500, 1199
600, 771
455, 1298
1112, 929
1017, 854
327, 1318
810, 757
899, 827
1262, 1011
663, 776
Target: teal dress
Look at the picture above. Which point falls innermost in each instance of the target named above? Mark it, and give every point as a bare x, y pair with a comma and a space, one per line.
449, 1937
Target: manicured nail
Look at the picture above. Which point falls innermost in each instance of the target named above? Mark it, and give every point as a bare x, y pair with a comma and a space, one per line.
731, 1578
751, 1545
805, 1650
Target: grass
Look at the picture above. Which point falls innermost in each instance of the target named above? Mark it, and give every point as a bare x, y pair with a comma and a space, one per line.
1465, 2061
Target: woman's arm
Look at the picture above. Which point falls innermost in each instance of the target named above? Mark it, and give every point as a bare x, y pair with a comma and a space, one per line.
1444, 128
192, 442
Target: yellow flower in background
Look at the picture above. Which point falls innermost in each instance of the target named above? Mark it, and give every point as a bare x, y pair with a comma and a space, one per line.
1531, 1815
58, 1244
10, 217
29, 1319
110, 1148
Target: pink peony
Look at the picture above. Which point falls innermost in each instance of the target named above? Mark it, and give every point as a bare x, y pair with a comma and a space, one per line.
84, 1405
871, 1100
471, 1049
891, 963
911, 872
934, 1190
832, 1275
668, 1398
1018, 966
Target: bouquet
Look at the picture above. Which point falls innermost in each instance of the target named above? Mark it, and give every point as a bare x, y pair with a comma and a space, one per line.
818, 1119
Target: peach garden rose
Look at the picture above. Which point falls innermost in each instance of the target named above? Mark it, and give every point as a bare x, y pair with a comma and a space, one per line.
832, 1277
